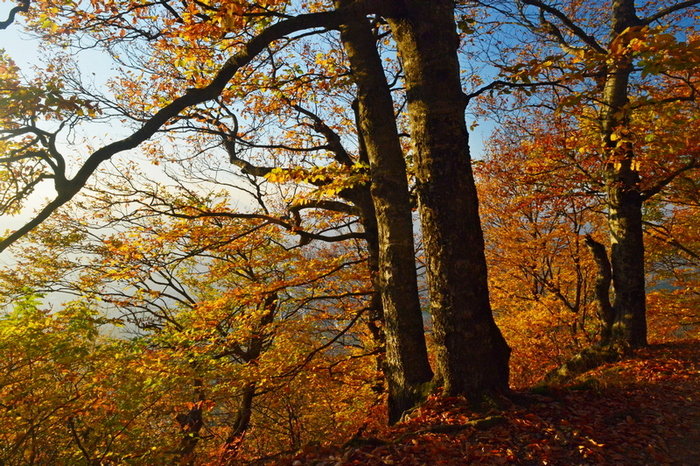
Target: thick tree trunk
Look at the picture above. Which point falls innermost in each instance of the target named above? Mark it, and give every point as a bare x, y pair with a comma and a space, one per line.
375, 313
471, 352
407, 369
362, 199
627, 258
623, 194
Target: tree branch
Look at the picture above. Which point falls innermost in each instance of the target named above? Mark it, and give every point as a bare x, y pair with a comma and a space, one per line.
246, 167
648, 193
497, 84
334, 143
576, 30
667, 11
192, 97
306, 236
662, 233
23, 7
335, 206
602, 285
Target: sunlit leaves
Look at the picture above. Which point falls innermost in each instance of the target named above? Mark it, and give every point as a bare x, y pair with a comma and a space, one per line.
22, 101
221, 304
330, 180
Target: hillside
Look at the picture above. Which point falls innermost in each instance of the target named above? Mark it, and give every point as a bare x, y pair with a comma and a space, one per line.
643, 410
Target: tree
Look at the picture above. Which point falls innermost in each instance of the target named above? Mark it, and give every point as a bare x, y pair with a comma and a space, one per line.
72, 395
367, 214
605, 74
468, 318
397, 277
471, 352
537, 213
228, 326
21, 7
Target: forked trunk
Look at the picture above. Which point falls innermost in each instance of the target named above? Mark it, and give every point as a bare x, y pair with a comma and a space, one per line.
606, 313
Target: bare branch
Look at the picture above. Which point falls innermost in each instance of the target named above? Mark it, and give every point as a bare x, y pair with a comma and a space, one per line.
335, 206
566, 21
246, 167
306, 236
648, 193
671, 9
662, 233
334, 143
499, 84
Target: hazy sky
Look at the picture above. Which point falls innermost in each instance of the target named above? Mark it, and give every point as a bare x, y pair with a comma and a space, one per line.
26, 52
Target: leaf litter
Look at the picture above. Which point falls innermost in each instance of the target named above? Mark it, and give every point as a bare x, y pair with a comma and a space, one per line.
642, 410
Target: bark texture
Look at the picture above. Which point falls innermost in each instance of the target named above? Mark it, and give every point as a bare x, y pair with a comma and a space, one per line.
471, 352
606, 313
361, 197
623, 193
406, 367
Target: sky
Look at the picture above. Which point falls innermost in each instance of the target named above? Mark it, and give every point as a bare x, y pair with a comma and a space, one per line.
18, 46
26, 52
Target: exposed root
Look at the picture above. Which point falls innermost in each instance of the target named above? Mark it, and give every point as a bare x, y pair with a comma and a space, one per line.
586, 360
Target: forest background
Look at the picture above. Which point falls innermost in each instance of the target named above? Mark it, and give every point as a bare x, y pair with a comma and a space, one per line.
263, 224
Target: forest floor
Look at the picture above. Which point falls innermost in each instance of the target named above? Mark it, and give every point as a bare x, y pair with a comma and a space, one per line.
644, 410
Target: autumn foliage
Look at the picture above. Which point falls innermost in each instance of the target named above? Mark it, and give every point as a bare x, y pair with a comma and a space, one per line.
640, 411
277, 248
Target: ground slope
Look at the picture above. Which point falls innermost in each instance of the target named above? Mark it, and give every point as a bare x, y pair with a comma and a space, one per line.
643, 410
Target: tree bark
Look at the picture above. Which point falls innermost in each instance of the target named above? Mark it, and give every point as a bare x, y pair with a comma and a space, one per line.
627, 257
406, 368
362, 199
606, 313
623, 193
472, 354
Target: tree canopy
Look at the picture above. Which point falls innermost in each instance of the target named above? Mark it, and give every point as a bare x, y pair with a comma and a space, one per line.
262, 227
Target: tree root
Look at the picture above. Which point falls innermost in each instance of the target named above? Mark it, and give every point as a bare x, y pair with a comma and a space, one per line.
586, 360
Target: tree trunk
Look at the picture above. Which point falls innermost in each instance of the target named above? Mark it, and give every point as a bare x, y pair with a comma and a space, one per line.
606, 313
471, 352
256, 344
407, 369
191, 424
239, 425
623, 194
361, 198
627, 258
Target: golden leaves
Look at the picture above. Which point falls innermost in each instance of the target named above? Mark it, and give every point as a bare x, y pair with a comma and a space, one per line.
330, 180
